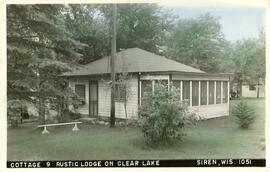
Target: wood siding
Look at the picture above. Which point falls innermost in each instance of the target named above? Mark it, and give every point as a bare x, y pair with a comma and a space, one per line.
211, 111
83, 109
104, 93
104, 96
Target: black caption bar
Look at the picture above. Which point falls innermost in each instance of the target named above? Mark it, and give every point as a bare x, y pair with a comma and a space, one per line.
139, 163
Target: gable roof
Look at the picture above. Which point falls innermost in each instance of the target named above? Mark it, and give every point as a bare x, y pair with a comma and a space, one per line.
133, 60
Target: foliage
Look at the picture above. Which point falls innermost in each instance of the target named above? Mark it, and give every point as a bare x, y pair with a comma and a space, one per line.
89, 25
39, 48
244, 115
14, 108
162, 117
198, 42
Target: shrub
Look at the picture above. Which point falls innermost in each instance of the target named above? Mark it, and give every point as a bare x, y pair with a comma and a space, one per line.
162, 116
14, 110
244, 114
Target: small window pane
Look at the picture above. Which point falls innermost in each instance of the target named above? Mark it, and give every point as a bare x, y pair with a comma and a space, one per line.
186, 92
93, 92
120, 93
218, 93
80, 90
176, 86
146, 88
195, 93
211, 92
203, 92
225, 92
162, 82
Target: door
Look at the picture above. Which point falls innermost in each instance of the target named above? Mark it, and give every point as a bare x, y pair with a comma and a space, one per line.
93, 98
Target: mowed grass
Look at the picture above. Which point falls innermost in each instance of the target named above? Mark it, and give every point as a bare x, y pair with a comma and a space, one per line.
214, 138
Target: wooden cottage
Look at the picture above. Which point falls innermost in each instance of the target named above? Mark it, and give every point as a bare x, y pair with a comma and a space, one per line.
206, 93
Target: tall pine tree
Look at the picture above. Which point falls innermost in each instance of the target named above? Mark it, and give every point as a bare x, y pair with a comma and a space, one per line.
39, 48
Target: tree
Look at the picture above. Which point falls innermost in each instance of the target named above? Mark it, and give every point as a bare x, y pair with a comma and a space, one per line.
39, 48
89, 25
198, 42
243, 114
246, 60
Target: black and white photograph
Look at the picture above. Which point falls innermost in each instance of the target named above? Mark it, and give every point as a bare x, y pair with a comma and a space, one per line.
135, 85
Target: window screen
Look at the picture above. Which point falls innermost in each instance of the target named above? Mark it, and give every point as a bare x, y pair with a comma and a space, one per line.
162, 82
218, 93
146, 88
120, 92
80, 90
186, 91
211, 92
176, 86
203, 92
195, 93
225, 92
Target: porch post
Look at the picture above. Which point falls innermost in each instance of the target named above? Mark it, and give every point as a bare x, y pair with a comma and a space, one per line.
190, 93
221, 101
207, 92
181, 90
199, 104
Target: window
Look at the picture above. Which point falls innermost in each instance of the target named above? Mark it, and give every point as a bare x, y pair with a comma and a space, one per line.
211, 91
203, 92
176, 86
162, 82
225, 92
218, 93
146, 88
120, 93
195, 93
186, 92
252, 87
80, 90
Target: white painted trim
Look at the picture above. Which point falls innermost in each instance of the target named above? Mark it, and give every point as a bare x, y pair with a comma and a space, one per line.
153, 86
190, 93
228, 92
181, 90
140, 92
199, 102
169, 84
207, 93
154, 77
215, 92
221, 94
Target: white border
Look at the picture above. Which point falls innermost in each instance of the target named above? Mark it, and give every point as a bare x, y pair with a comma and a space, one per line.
197, 3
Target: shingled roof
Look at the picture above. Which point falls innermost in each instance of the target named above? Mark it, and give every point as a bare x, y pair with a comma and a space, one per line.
133, 60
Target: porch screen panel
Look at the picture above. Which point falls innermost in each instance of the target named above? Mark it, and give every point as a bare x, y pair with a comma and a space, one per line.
80, 90
225, 92
203, 92
146, 88
177, 89
218, 93
195, 93
162, 82
211, 92
186, 92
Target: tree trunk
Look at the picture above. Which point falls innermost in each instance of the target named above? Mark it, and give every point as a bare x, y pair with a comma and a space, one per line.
41, 111
240, 88
258, 91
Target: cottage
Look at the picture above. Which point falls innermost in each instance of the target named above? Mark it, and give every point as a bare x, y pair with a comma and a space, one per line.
205, 93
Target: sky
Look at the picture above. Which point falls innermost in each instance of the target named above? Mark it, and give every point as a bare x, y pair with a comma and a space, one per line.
237, 22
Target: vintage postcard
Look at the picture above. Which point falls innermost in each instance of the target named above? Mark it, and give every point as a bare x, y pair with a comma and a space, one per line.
135, 85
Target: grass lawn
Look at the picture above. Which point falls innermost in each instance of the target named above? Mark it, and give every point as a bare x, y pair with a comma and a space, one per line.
215, 138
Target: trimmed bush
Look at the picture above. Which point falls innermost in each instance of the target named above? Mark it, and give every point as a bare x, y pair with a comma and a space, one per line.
162, 117
243, 114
